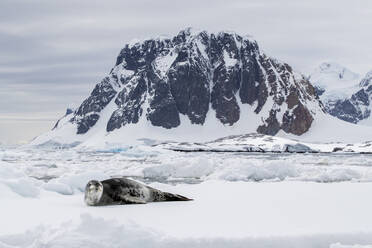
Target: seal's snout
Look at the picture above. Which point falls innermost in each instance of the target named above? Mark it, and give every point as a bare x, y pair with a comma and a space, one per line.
93, 192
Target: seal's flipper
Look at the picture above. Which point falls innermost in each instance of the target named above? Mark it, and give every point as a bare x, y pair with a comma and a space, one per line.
132, 200
175, 197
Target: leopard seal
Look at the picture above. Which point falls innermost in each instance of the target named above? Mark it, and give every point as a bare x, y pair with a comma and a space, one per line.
118, 191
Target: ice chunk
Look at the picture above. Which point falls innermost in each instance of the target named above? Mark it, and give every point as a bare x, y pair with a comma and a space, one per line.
69, 184
18, 182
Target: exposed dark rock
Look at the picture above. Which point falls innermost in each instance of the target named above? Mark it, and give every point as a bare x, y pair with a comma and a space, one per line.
353, 109
85, 123
271, 126
87, 115
319, 91
251, 79
163, 109
361, 96
337, 149
297, 121
223, 95
68, 111
226, 77
190, 86
129, 102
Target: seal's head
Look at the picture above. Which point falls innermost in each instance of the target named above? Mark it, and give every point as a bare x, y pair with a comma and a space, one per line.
93, 192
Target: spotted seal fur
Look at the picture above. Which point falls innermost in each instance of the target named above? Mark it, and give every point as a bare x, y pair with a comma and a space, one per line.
117, 191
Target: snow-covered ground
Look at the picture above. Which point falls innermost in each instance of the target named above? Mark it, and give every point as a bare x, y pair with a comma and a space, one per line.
241, 199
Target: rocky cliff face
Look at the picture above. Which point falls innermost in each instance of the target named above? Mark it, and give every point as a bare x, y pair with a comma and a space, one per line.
193, 74
344, 94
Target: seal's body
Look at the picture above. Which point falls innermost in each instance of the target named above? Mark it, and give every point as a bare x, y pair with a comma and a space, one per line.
125, 191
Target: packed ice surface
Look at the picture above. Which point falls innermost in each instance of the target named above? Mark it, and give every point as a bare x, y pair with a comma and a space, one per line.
67, 170
240, 199
223, 214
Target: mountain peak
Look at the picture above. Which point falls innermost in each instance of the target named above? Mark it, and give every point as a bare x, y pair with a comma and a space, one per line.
190, 31
336, 71
334, 81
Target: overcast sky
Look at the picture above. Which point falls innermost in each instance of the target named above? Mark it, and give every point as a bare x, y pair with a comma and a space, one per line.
52, 53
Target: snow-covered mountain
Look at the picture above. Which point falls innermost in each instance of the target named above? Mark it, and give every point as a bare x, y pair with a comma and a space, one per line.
193, 74
198, 78
199, 86
345, 94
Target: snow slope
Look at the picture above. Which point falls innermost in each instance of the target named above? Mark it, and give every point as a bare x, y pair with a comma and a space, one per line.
324, 129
